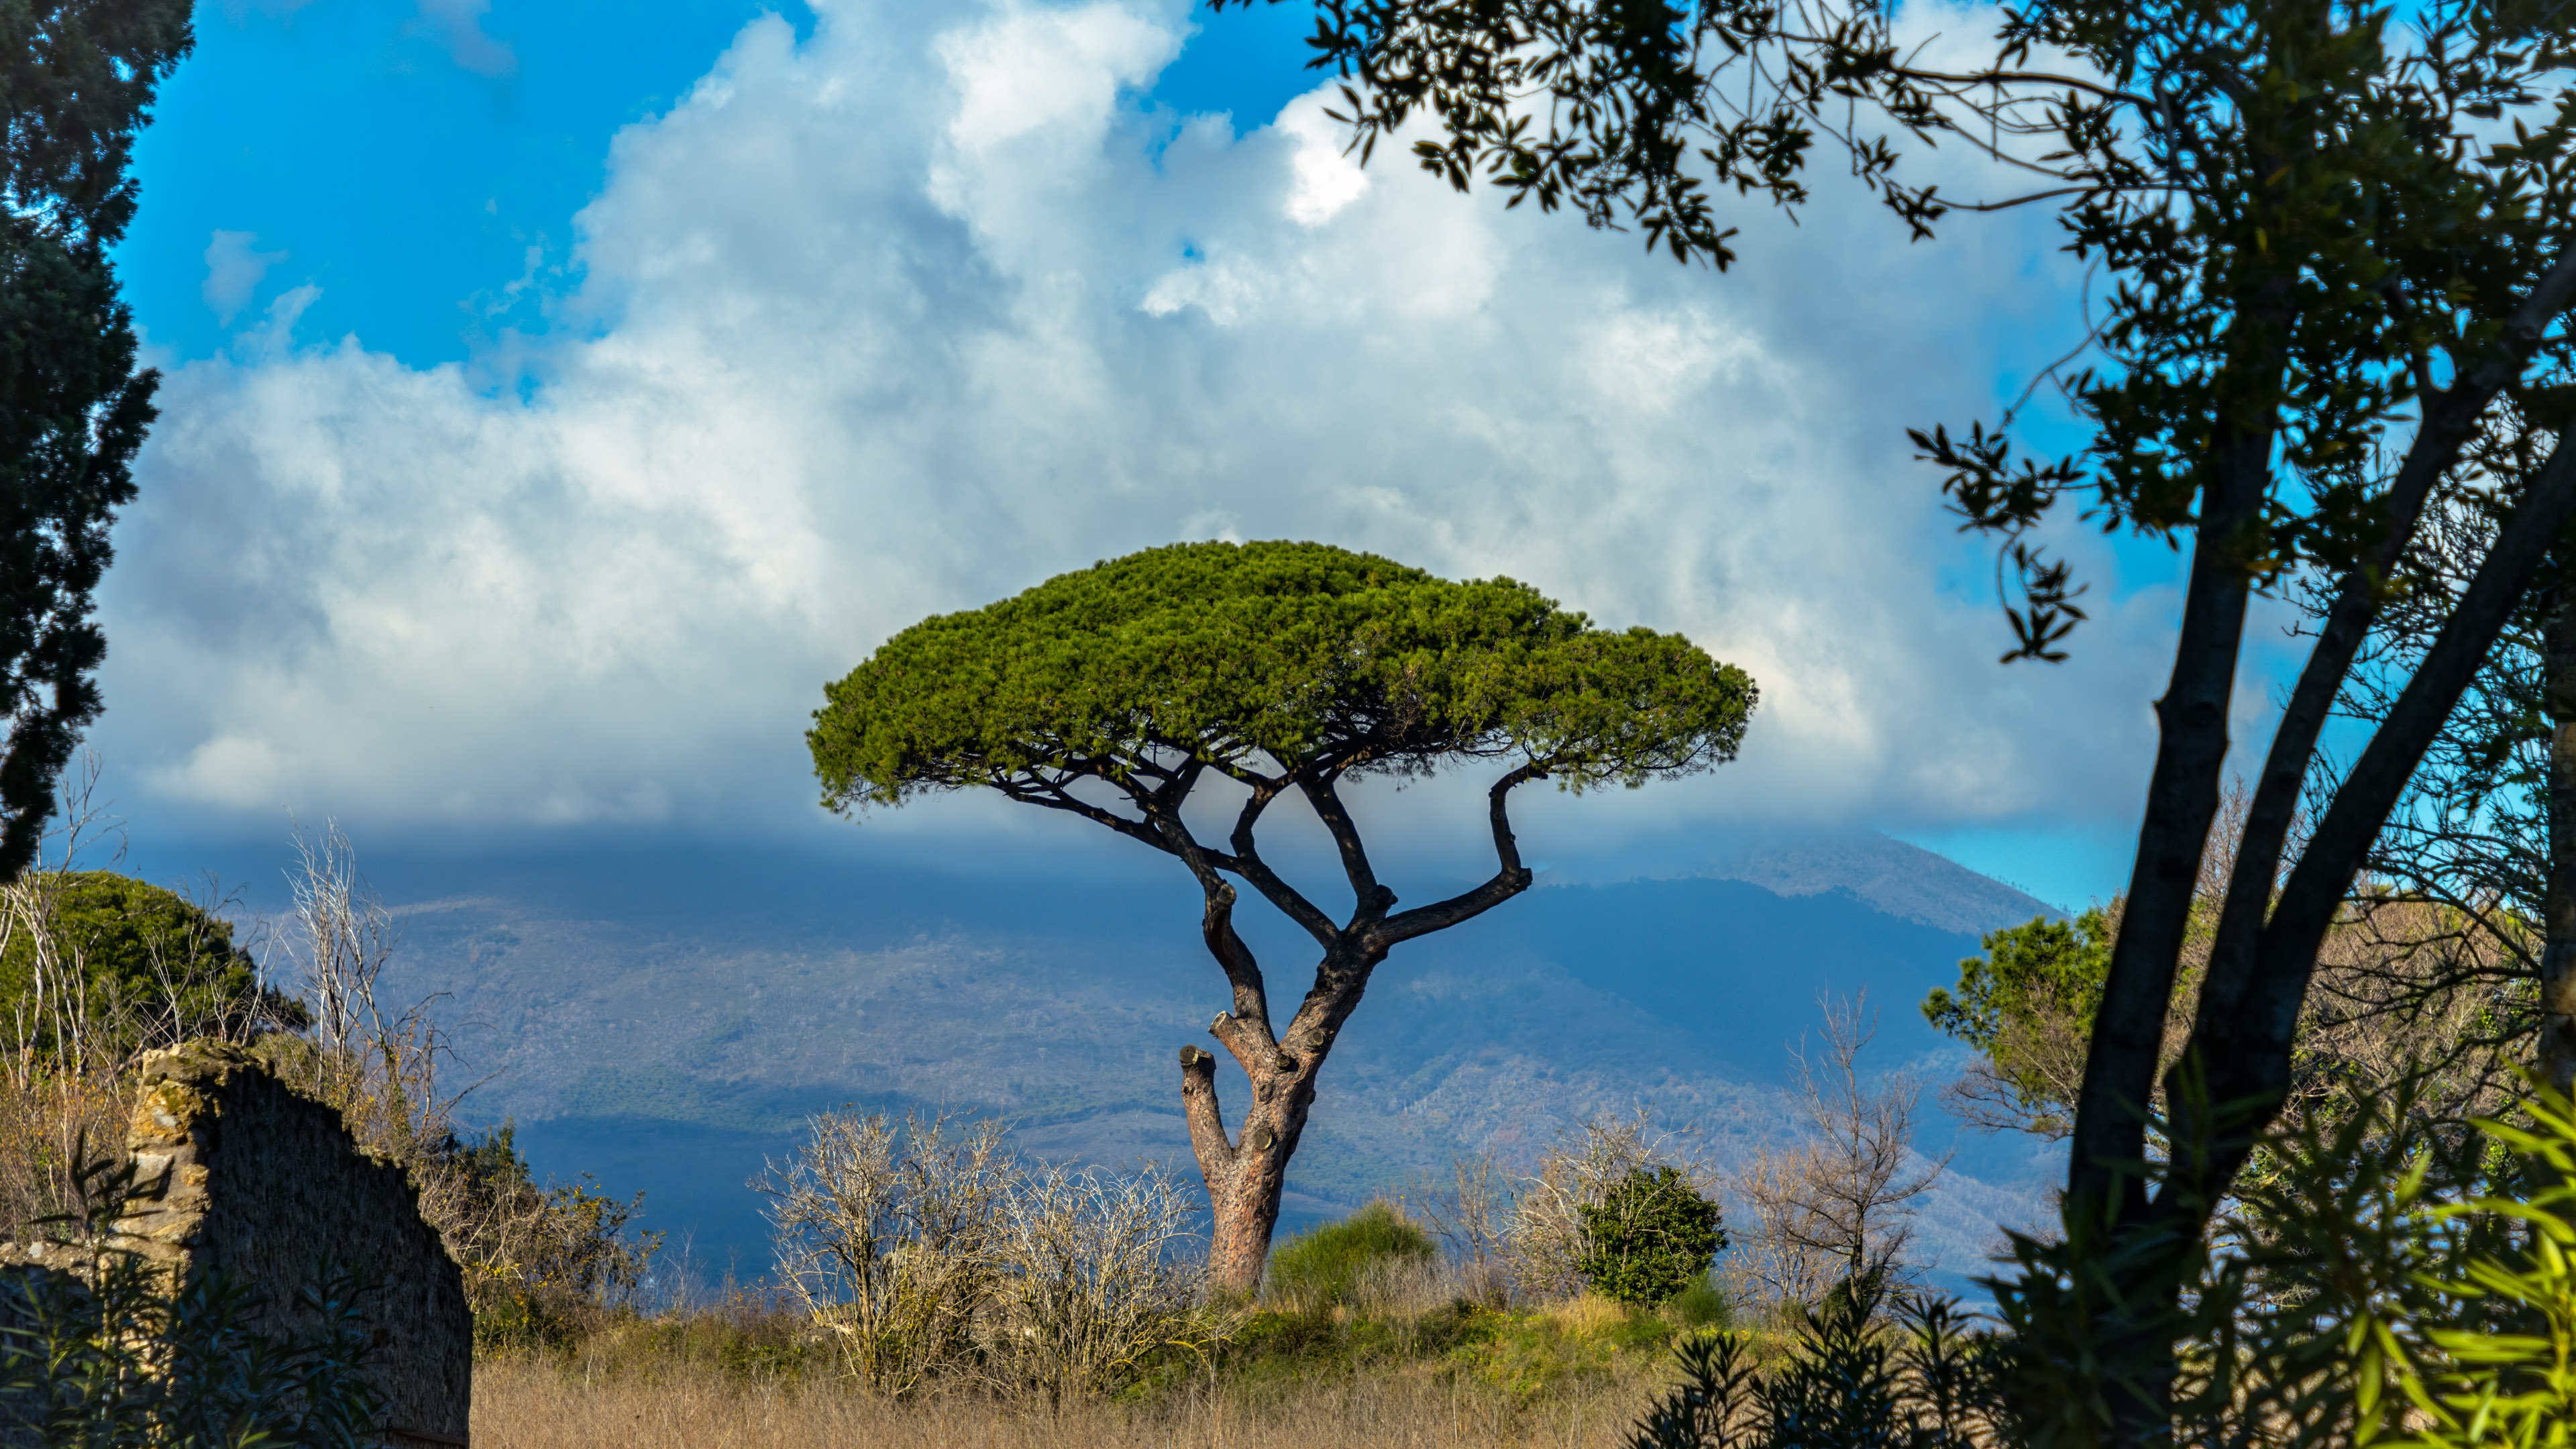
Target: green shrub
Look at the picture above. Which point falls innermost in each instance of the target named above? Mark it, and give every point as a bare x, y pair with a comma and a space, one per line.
150, 967
1651, 1235
540, 1263
1326, 1265
1703, 1305
1847, 1384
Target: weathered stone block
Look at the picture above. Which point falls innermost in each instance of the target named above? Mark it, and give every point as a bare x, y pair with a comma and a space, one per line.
263, 1182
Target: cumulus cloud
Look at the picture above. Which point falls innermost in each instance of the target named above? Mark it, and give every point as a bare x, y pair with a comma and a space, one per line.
233, 272
928, 307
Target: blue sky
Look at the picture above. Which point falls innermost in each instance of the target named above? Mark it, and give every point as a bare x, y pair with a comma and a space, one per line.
558, 393
415, 189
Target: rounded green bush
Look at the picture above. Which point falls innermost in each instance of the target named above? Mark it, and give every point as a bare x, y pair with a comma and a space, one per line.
1324, 1264
1703, 1305
1650, 1237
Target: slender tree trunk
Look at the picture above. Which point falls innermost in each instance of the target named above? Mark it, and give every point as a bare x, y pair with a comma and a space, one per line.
2107, 1167
2557, 1052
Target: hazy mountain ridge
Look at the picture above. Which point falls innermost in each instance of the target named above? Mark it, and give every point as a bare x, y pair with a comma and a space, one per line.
667, 1028
1899, 879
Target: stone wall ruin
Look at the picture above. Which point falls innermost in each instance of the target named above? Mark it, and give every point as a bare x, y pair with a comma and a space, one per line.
247, 1176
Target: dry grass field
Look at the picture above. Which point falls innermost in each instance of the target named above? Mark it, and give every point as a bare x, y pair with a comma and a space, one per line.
523, 1404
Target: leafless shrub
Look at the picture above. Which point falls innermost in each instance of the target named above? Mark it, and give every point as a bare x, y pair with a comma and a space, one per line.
1471, 1211
1840, 1203
544, 1264
1092, 1279
2049, 1049
70, 1032
925, 1252
70, 1036
379, 1067
889, 1237
52, 1012
2418, 991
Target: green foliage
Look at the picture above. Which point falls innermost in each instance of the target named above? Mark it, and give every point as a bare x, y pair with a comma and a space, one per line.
541, 1263
103, 1354
1649, 1238
1283, 669
2501, 1370
1846, 1384
2331, 248
2042, 966
156, 968
1330, 1263
2386, 1266
1703, 1305
1220, 653
2038, 984
2364, 164
1711, 1406
1274, 1348
1532, 1356
77, 79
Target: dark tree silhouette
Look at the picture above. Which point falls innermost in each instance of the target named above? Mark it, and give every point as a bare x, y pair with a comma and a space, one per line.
76, 80
2332, 244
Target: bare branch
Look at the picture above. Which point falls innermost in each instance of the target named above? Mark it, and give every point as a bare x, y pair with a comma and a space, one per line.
1510, 877
1248, 864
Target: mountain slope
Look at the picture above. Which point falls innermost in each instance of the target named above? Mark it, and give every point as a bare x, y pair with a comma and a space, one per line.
667, 1021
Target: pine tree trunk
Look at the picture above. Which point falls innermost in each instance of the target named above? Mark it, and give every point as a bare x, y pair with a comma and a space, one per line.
1245, 1174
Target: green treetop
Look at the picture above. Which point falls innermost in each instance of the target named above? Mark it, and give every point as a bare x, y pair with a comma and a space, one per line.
77, 78
125, 964
2027, 1006
1115, 692
1266, 661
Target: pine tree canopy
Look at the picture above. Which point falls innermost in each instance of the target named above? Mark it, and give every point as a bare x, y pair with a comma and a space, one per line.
1302, 658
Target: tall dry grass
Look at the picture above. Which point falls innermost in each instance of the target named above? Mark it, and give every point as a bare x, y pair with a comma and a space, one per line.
525, 1404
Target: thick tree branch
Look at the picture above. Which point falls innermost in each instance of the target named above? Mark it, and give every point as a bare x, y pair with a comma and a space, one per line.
1245, 1030
1248, 864
1372, 898
1242, 971
2182, 799
1031, 790
2450, 419
1510, 877
1161, 808
2246, 1054
2556, 1053
1208, 1141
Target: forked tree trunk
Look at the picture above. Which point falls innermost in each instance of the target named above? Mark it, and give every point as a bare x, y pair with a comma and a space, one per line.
1244, 1176
1246, 1170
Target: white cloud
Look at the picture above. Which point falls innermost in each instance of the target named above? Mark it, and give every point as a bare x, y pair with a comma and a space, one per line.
911, 315
233, 272
1327, 177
